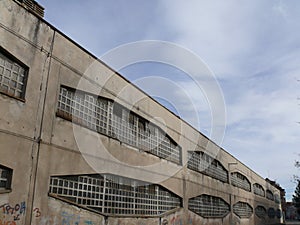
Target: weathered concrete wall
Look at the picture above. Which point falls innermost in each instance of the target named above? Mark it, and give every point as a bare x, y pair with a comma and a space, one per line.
63, 213
37, 144
29, 40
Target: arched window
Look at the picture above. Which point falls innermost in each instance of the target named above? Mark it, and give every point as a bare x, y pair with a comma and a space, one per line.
242, 210
241, 181
258, 190
269, 195
114, 120
209, 206
114, 195
260, 211
205, 164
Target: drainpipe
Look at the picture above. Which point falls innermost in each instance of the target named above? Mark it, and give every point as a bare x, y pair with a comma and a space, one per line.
38, 140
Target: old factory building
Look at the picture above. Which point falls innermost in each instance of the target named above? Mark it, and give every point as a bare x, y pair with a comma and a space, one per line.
79, 144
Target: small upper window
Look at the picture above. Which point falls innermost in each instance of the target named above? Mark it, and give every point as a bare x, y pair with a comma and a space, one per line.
5, 178
13, 76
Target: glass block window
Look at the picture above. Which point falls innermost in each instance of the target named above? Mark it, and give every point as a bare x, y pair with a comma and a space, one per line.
241, 181
86, 110
112, 119
209, 206
276, 198
278, 213
269, 195
123, 125
148, 138
5, 178
167, 148
260, 211
258, 190
114, 195
242, 210
271, 212
203, 163
13, 76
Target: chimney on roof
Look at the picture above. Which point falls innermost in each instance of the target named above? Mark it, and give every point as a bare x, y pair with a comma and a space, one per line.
33, 7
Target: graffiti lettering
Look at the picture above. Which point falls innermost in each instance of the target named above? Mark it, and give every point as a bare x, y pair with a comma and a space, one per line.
15, 211
70, 219
48, 220
65, 218
88, 222
37, 212
4, 222
177, 220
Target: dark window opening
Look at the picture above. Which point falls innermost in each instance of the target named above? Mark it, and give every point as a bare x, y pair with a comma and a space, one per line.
5, 178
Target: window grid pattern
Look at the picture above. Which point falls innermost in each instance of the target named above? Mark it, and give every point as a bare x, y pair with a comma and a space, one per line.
209, 206
269, 195
114, 120
260, 211
5, 178
166, 148
114, 195
241, 181
148, 138
271, 212
85, 110
243, 210
278, 213
203, 163
123, 128
12, 77
276, 198
258, 190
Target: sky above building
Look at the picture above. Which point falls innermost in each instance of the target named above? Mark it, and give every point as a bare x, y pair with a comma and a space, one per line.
252, 47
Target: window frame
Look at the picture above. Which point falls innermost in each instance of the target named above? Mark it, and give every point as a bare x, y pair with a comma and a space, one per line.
207, 165
269, 195
260, 211
120, 127
114, 195
257, 189
7, 179
243, 210
209, 206
240, 180
15, 60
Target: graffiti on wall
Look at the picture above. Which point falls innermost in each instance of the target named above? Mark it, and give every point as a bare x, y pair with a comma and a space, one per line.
177, 220
180, 218
36, 212
127, 222
190, 219
74, 219
11, 213
65, 218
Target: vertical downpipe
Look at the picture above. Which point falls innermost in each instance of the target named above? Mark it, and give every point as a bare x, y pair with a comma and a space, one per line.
35, 156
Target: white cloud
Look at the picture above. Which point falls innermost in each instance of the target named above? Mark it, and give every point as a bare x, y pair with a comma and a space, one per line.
253, 50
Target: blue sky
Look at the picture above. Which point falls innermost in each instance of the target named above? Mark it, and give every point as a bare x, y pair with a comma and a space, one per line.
251, 46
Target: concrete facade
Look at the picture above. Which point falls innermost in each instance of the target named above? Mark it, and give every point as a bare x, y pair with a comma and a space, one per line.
48, 151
